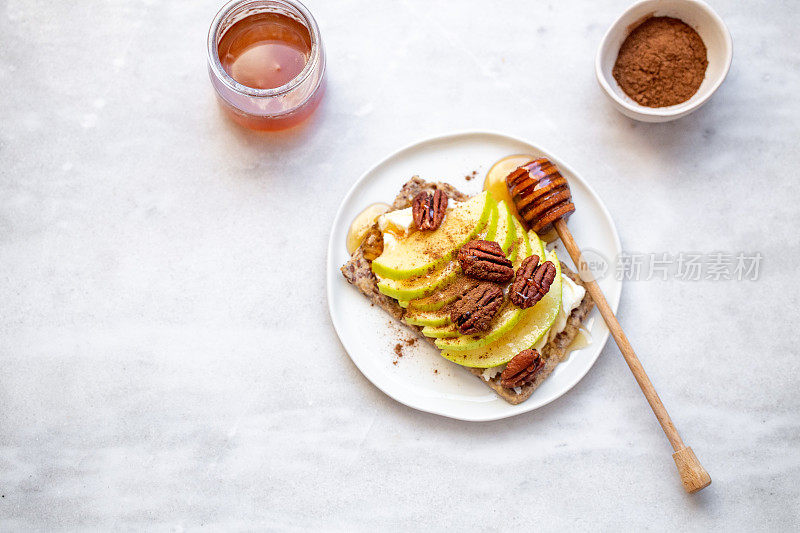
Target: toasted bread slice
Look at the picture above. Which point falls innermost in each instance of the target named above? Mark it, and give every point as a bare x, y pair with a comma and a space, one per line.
358, 272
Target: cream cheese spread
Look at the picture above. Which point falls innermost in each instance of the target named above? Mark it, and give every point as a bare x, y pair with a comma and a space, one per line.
396, 221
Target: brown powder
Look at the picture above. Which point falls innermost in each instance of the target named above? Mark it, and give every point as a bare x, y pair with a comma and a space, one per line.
398, 348
661, 63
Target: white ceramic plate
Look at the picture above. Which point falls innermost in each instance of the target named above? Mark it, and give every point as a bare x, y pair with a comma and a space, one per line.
422, 379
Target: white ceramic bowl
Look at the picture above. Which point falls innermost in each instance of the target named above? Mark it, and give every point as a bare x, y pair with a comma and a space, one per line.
696, 14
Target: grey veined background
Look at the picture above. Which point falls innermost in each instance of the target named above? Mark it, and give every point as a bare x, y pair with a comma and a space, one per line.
166, 355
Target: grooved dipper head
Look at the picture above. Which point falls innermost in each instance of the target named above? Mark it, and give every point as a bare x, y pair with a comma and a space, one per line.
540, 193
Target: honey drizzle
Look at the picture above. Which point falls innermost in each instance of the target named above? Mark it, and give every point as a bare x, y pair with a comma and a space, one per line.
582, 339
362, 223
495, 181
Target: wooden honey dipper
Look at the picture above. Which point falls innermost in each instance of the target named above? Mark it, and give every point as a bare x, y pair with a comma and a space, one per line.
543, 200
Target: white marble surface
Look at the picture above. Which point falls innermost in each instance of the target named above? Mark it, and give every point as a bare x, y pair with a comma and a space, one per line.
166, 356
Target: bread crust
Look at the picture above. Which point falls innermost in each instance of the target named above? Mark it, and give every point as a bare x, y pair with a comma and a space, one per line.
358, 272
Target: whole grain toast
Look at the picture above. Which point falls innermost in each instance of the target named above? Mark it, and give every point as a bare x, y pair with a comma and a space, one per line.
358, 272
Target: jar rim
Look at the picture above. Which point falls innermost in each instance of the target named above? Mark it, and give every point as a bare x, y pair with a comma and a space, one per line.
219, 71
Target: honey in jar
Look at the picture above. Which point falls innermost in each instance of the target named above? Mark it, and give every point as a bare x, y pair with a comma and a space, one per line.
266, 62
265, 51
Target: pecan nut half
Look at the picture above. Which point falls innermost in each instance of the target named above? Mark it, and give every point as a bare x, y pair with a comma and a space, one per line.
522, 369
372, 246
531, 282
429, 209
485, 260
473, 311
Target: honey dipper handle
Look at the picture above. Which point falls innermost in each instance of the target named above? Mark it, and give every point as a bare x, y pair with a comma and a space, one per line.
693, 475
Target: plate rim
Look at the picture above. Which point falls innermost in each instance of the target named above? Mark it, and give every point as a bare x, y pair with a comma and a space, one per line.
613, 300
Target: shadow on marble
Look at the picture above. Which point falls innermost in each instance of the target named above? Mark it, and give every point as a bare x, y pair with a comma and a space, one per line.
282, 143
670, 142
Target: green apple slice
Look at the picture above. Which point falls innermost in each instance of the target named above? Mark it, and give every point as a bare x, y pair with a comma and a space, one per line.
426, 318
446, 294
441, 298
503, 229
441, 332
531, 328
521, 237
491, 228
435, 301
504, 321
523, 249
423, 251
506, 231
410, 289
536, 244
406, 290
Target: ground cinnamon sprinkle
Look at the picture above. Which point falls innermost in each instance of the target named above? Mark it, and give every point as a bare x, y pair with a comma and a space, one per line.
661, 63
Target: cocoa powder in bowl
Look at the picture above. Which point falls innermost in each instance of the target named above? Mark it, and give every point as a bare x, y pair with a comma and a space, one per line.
661, 63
